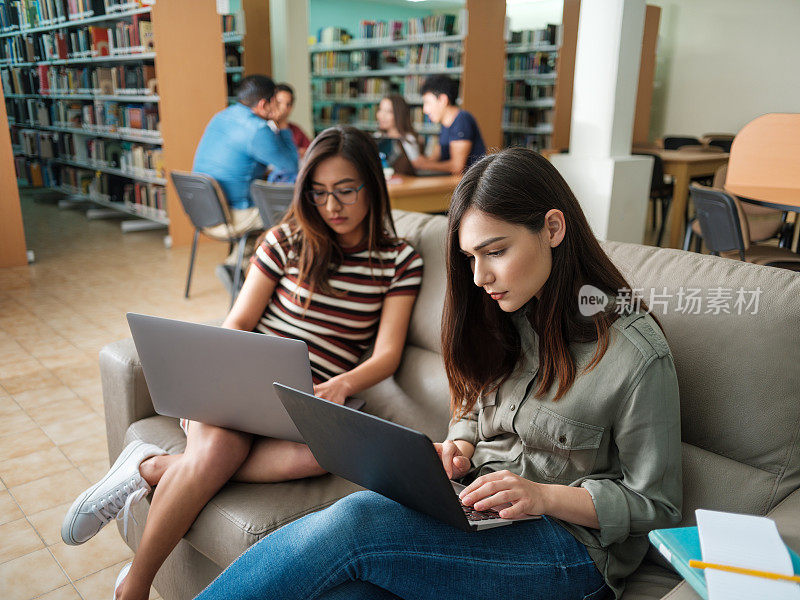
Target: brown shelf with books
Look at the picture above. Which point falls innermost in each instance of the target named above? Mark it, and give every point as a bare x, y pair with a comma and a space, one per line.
82, 102
351, 73
245, 42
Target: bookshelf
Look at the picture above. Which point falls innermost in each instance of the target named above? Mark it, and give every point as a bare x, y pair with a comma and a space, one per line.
87, 120
79, 86
351, 73
246, 43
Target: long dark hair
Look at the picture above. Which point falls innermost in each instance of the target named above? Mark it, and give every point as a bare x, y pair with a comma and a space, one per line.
480, 344
402, 116
314, 243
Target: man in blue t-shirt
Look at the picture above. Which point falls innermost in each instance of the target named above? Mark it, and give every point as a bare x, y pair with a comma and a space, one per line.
460, 141
236, 148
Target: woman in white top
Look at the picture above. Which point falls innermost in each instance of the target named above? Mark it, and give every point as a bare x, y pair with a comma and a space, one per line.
394, 121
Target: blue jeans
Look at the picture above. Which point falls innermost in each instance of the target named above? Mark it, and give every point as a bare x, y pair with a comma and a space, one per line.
366, 546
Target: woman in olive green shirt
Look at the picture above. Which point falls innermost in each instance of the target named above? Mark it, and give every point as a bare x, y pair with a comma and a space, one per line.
557, 411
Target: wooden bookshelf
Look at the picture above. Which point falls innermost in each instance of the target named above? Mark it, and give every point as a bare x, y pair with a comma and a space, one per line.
31, 127
647, 68
482, 85
250, 42
190, 94
359, 109
12, 234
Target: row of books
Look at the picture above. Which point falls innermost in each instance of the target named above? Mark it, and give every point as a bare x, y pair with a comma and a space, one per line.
537, 62
362, 114
409, 86
120, 80
85, 42
426, 55
147, 199
126, 156
34, 173
527, 117
93, 117
547, 36
523, 91
229, 24
16, 15
417, 27
534, 141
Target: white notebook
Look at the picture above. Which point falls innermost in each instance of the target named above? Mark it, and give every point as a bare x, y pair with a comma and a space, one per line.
747, 542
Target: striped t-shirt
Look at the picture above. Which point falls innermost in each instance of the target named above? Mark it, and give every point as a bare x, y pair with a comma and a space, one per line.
337, 328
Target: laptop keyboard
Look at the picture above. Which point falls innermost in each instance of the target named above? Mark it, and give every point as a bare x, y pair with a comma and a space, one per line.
479, 515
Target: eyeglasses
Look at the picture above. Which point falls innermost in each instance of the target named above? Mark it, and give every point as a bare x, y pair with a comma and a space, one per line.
342, 195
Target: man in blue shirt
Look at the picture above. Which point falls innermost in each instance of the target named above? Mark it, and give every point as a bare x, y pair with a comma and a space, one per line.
240, 142
236, 148
460, 141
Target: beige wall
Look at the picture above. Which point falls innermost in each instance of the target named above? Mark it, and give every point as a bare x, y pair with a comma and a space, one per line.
721, 63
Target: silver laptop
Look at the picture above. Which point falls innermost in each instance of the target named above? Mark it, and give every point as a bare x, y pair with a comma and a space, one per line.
221, 376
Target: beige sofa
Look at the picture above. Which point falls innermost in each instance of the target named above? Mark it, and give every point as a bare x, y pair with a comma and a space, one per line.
739, 377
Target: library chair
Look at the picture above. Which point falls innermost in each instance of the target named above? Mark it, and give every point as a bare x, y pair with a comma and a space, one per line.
763, 223
720, 140
660, 193
725, 230
272, 200
204, 203
674, 142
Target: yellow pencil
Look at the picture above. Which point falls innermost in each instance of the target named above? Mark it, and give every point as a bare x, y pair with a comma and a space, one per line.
699, 564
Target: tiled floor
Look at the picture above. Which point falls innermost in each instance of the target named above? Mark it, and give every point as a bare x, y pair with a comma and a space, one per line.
55, 316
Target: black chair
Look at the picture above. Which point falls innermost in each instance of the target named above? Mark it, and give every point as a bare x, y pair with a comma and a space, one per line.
660, 191
205, 204
725, 145
673, 142
272, 200
725, 230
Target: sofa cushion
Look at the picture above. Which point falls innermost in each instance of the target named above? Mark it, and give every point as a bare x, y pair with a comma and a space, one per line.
650, 582
427, 234
242, 513
737, 374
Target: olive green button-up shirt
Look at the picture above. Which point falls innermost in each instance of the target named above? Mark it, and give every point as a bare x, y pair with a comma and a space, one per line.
616, 433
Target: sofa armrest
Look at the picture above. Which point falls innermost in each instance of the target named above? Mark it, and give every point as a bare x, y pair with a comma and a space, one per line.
125, 395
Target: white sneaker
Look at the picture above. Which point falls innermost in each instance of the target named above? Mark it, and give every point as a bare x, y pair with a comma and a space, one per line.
120, 578
117, 491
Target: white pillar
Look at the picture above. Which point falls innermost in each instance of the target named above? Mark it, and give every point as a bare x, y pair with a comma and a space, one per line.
611, 185
290, 63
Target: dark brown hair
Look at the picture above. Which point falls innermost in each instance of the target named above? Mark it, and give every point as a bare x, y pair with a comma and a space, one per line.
317, 252
402, 116
480, 344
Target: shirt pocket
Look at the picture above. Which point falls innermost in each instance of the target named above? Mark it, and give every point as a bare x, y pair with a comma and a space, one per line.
487, 415
559, 448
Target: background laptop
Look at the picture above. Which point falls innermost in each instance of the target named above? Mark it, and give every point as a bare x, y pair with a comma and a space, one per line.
392, 150
392, 460
221, 376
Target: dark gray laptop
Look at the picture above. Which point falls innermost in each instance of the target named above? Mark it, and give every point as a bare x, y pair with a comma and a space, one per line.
392, 460
221, 376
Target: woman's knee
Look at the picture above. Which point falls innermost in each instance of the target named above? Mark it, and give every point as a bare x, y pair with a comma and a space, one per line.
211, 446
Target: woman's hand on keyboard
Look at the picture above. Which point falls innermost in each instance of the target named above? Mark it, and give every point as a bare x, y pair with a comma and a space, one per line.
336, 389
498, 490
455, 461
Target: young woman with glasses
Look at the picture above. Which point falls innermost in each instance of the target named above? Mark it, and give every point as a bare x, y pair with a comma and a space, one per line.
333, 274
557, 411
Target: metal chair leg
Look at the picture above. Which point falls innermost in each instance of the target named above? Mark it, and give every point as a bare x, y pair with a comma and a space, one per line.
664, 213
191, 263
238, 269
687, 238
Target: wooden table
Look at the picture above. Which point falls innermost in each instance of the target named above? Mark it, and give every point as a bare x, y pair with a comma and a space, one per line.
422, 194
683, 166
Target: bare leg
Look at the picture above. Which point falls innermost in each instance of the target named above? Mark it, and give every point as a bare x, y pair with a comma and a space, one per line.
272, 460
188, 482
